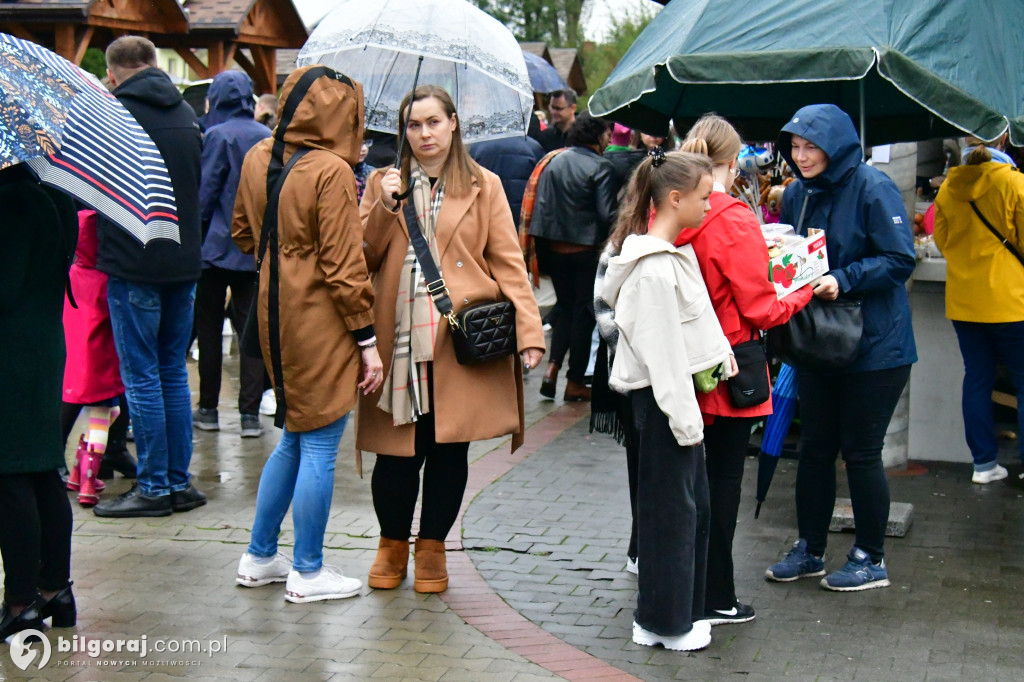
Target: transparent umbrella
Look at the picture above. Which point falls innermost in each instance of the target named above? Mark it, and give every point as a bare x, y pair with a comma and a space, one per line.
451, 43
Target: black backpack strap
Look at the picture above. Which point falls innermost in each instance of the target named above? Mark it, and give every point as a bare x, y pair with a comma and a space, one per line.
1004, 240
276, 173
435, 283
269, 234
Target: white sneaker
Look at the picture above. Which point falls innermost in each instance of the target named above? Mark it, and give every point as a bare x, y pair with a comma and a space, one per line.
697, 638
996, 474
632, 566
329, 583
268, 405
254, 574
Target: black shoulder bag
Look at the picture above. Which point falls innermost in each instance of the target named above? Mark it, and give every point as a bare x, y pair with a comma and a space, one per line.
750, 386
481, 332
1005, 241
277, 171
824, 336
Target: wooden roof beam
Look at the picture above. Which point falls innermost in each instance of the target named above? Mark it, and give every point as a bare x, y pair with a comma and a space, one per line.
18, 30
193, 61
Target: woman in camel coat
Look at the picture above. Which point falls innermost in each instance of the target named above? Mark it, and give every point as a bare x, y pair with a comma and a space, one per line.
430, 408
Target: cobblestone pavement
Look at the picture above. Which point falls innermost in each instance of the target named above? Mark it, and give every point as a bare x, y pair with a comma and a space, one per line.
550, 538
539, 592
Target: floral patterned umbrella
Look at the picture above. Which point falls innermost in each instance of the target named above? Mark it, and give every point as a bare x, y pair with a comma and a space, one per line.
466, 51
34, 103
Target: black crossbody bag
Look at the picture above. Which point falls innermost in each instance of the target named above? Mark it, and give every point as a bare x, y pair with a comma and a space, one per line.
750, 386
481, 332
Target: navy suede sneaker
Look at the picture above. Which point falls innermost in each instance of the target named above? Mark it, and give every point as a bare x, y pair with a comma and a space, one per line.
859, 573
799, 563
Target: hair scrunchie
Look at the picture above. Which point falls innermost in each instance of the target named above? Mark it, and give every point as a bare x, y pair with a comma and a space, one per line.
657, 155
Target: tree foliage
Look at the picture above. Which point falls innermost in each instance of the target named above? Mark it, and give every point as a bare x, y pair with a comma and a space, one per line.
599, 59
95, 62
555, 22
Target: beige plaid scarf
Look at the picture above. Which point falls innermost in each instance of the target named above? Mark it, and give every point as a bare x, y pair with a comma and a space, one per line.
405, 393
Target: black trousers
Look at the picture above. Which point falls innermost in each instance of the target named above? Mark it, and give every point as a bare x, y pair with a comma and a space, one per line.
848, 413
633, 474
35, 535
672, 518
725, 441
572, 275
395, 485
211, 295
117, 440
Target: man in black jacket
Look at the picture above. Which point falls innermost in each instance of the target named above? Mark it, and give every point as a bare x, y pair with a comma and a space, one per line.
563, 115
151, 292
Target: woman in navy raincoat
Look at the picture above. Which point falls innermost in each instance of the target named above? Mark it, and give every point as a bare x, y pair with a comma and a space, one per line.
871, 253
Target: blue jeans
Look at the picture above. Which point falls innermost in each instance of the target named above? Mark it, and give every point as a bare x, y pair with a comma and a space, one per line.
982, 345
152, 324
301, 467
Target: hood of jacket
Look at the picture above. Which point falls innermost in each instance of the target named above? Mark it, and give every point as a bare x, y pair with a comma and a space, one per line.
150, 86
230, 96
832, 131
635, 247
969, 183
329, 117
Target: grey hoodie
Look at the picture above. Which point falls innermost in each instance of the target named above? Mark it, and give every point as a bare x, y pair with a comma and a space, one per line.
667, 328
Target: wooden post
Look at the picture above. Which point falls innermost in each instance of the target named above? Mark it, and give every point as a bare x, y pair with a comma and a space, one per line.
215, 58
64, 40
265, 59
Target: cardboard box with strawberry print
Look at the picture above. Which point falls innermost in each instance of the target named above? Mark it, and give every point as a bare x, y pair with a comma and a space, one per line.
803, 260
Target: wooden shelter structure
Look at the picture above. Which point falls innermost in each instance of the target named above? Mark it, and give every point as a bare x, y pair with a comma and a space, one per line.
247, 32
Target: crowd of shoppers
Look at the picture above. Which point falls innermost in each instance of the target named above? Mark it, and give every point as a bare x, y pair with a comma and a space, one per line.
278, 203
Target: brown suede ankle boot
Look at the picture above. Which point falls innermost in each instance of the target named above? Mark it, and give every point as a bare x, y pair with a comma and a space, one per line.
431, 567
391, 565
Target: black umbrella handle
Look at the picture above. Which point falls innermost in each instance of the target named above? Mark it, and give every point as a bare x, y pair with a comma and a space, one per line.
401, 133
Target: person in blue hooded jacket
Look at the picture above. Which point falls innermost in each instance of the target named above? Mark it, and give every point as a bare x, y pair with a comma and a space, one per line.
871, 255
231, 131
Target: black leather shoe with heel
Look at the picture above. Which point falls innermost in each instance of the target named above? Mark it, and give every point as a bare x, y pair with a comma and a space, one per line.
61, 609
27, 619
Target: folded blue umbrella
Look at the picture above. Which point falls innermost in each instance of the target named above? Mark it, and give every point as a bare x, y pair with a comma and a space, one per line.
784, 394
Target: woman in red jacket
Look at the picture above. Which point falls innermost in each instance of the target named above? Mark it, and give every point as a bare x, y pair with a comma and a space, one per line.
733, 258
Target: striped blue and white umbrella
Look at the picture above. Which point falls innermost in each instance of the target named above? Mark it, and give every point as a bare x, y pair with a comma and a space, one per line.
105, 158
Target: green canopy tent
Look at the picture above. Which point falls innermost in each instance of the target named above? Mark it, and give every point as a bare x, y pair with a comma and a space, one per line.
906, 70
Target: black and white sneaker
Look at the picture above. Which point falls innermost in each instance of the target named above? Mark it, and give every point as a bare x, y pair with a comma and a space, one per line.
741, 613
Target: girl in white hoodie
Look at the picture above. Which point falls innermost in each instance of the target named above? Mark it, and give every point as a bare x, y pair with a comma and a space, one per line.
668, 332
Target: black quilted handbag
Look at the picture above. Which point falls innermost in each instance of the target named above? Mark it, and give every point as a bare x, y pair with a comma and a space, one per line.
484, 332
480, 332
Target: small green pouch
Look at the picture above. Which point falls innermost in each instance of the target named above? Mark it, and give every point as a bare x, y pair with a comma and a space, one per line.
706, 380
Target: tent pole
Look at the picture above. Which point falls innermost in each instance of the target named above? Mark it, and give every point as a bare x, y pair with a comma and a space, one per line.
863, 121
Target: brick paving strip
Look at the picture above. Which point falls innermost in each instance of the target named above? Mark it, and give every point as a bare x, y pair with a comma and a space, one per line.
479, 605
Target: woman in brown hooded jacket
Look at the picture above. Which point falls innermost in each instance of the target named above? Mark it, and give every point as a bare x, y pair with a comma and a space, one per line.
327, 343
431, 407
